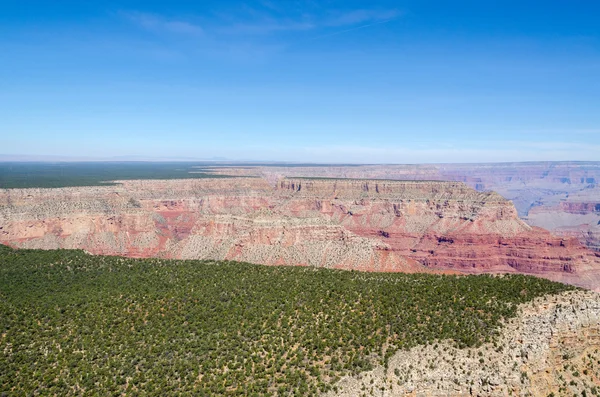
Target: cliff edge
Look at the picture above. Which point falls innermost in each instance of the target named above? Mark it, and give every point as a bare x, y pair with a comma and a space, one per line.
370, 225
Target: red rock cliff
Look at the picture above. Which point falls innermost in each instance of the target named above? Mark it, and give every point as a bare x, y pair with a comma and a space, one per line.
373, 225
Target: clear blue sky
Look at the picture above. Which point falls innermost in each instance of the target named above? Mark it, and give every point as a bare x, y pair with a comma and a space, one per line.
301, 80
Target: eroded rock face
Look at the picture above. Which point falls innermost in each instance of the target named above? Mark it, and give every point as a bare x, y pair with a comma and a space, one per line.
552, 346
372, 225
242, 219
561, 197
578, 216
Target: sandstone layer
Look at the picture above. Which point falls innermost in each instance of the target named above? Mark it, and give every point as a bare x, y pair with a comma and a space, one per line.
551, 348
542, 192
372, 225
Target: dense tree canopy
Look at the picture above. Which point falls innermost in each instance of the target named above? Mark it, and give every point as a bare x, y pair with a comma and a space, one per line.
71, 323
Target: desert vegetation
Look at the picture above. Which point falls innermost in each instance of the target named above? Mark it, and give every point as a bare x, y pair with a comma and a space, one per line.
72, 323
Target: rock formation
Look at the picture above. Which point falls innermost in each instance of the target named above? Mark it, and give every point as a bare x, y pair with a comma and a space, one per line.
577, 216
552, 348
542, 192
372, 225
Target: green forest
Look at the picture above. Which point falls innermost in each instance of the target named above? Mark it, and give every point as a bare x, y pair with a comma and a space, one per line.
102, 173
69, 174
76, 324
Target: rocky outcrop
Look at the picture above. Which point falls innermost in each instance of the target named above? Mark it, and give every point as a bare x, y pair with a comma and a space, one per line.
371, 225
551, 348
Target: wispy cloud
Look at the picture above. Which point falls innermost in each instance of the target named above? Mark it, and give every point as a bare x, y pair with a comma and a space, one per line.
351, 29
270, 20
267, 26
262, 28
162, 24
356, 17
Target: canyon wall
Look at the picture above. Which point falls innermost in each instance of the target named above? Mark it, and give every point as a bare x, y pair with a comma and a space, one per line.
577, 216
371, 225
544, 193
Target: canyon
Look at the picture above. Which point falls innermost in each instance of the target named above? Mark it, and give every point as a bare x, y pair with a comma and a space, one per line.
562, 197
354, 224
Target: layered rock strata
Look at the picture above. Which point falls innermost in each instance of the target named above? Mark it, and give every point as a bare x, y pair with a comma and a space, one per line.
372, 225
243, 219
576, 216
551, 348
544, 193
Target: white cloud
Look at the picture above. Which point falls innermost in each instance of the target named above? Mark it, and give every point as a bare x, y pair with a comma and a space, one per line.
271, 21
246, 22
267, 26
356, 17
159, 23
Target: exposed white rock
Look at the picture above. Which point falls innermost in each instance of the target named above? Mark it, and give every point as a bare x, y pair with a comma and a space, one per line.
552, 346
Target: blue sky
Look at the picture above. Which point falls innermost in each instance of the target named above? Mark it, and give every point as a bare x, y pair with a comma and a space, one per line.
301, 80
